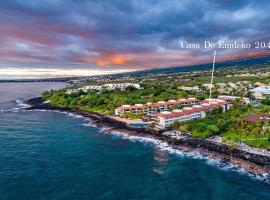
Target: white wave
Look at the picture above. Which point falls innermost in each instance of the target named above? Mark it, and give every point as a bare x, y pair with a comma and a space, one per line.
213, 162
39, 110
166, 147
12, 110
75, 116
193, 154
21, 104
106, 130
89, 123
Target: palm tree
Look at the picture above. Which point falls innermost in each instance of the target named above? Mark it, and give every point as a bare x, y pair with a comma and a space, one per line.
256, 131
268, 132
236, 103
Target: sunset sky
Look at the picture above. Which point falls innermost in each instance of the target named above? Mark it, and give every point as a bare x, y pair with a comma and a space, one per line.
71, 37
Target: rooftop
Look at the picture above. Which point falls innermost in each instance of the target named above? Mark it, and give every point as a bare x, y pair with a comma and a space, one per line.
263, 90
253, 118
160, 103
189, 110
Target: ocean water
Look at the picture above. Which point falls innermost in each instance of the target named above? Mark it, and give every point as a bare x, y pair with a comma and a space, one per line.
52, 155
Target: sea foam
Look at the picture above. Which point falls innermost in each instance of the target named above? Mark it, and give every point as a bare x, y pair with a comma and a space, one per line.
164, 146
192, 154
20, 105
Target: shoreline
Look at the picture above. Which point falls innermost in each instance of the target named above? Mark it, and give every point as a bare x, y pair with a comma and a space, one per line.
222, 160
254, 164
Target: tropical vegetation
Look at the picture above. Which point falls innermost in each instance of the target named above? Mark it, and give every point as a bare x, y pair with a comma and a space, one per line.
231, 126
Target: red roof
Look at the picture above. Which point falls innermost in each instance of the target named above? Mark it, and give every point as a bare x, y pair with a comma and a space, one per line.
257, 118
176, 102
187, 112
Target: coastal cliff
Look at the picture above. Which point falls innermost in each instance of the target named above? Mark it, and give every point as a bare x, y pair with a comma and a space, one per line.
226, 153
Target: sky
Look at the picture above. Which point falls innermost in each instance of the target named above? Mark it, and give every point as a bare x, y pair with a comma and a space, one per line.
44, 38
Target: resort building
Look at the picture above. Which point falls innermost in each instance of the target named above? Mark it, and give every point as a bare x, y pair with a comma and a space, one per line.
84, 89
208, 86
165, 119
261, 92
121, 86
229, 99
190, 89
114, 86
151, 108
258, 84
264, 90
258, 96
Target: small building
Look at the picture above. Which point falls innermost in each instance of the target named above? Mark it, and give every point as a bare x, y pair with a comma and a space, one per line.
190, 89
259, 84
254, 118
260, 93
165, 119
232, 85
258, 96
208, 86
121, 86
229, 98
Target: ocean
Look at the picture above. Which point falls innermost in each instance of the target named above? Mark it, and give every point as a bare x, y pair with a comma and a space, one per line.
53, 155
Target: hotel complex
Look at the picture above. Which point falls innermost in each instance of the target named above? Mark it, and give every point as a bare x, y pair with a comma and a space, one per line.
166, 119
151, 108
112, 86
165, 114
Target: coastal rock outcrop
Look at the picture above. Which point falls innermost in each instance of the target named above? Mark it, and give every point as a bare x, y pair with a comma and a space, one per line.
261, 160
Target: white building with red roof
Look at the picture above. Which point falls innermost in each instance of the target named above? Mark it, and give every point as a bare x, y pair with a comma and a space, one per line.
151, 108
166, 118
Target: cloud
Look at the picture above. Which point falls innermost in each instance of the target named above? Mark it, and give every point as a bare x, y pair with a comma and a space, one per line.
30, 73
132, 34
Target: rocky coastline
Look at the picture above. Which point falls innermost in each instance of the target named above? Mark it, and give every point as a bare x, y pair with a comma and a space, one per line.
252, 163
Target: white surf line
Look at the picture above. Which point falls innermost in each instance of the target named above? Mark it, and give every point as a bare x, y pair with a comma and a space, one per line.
194, 154
212, 77
164, 146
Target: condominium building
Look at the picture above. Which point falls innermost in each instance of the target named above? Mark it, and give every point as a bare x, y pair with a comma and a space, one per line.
113, 86
230, 99
151, 108
261, 93
165, 119
121, 86
265, 90
190, 89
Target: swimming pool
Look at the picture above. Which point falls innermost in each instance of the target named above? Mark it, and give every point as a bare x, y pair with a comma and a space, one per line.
139, 125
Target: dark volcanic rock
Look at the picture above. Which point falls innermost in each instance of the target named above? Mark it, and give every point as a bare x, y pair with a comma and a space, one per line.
38, 103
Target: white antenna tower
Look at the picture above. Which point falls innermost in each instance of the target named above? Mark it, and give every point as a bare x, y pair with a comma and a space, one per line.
211, 85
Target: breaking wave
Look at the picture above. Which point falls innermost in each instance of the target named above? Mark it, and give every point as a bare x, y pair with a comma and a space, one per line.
20, 105
87, 122
164, 146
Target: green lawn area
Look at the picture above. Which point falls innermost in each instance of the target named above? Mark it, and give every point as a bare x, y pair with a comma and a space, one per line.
254, 140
